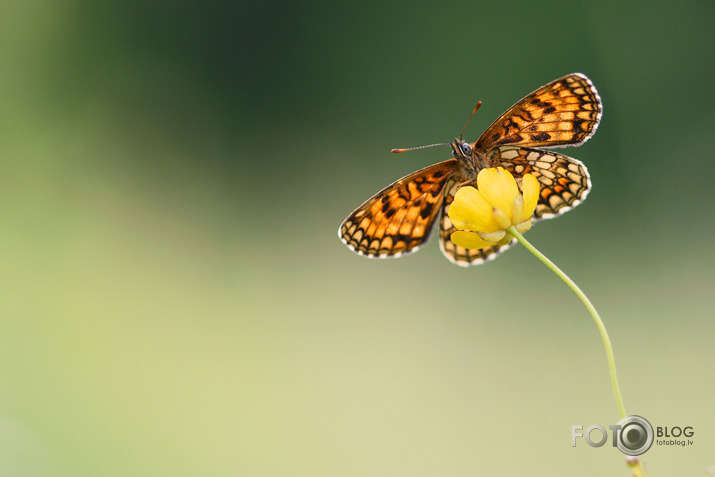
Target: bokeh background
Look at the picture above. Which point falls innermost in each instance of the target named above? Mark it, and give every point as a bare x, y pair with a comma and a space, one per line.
174, 299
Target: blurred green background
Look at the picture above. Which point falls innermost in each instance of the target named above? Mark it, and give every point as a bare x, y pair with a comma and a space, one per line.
174, 299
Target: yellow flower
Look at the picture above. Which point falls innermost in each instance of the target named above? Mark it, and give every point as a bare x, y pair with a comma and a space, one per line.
482, 216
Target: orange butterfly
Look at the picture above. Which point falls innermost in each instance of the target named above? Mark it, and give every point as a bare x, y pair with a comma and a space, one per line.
398, 219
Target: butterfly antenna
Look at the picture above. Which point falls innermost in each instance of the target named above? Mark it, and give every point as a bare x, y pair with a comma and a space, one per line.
397, 151
479, 103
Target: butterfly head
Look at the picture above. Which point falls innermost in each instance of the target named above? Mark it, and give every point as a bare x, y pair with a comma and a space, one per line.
461, 149
467, 156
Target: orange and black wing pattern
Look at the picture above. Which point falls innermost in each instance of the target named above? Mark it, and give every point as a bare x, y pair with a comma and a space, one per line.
564, 181
399, 218
564, 112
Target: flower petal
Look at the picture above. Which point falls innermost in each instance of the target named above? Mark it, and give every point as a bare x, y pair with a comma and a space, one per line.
498, 187
517, 209
493, 237
469, 240
471, 212
530, 189
501, 218
506, 240
522, 227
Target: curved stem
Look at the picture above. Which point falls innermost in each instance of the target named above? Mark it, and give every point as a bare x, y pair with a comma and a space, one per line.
591, 309
633, 462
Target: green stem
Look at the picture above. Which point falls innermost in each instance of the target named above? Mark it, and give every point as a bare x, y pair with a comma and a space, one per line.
591, 309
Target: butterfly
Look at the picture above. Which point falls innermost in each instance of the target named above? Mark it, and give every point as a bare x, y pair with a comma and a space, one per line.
398, 219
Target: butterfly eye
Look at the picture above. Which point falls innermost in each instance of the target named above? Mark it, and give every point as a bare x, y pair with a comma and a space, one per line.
466, 148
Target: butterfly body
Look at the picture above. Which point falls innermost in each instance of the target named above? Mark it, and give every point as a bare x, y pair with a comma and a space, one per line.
399, 218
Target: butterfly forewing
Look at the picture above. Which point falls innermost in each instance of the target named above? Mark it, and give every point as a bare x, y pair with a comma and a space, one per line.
564, 112
399, 218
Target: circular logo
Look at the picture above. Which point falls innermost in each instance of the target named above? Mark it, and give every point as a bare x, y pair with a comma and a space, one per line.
635, 435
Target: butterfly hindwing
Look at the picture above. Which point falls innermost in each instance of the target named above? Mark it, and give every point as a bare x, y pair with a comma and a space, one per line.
399, 218
564, 181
